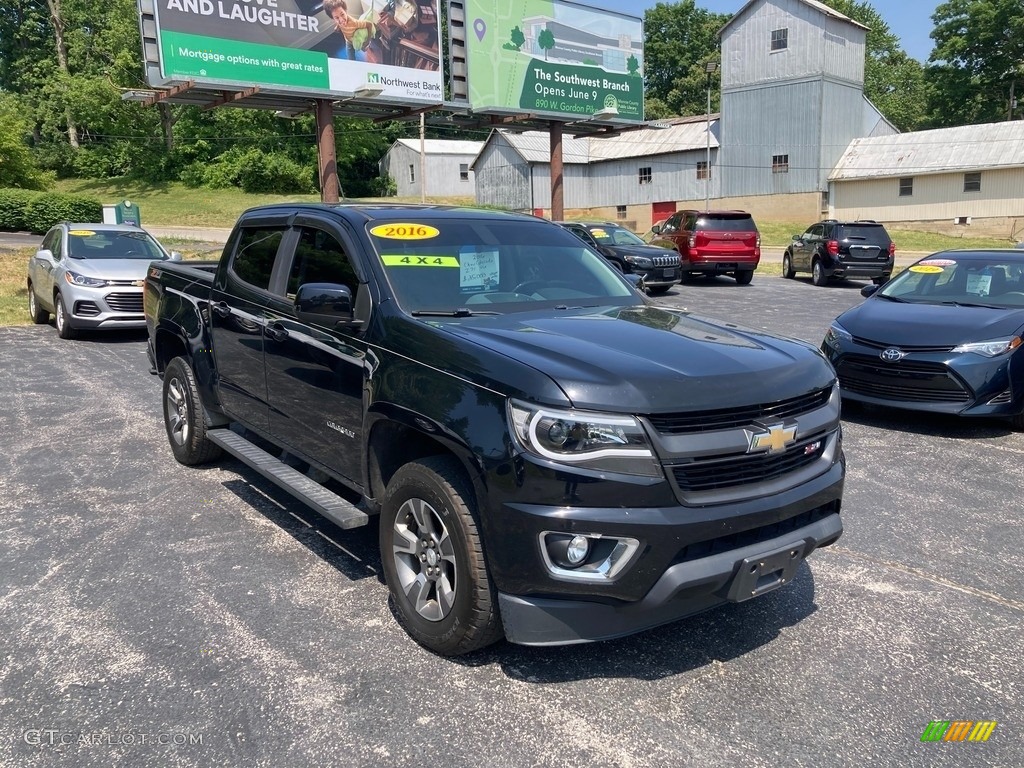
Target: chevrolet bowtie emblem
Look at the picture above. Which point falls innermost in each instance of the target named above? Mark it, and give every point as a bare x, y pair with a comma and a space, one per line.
773, 439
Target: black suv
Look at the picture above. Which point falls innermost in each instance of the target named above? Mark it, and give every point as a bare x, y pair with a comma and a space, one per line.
628, 253
839, 249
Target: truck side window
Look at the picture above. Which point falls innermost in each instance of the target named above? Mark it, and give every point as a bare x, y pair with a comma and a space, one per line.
254, 259
320, 258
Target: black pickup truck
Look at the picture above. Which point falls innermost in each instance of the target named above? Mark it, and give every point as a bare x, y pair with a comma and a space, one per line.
554, 459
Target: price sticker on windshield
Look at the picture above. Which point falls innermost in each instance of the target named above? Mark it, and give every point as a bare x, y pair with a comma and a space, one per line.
404, 231
939, 263
926, 269
81, 232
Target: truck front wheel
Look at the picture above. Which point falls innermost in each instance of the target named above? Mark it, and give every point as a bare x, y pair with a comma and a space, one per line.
184, 417
433, 559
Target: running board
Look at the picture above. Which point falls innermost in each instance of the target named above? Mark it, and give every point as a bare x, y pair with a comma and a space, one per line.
339, 511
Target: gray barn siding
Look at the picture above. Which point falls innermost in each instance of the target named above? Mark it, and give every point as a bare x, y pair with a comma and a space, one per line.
760, 122
502, 177
817, 45
673, 177
842, 118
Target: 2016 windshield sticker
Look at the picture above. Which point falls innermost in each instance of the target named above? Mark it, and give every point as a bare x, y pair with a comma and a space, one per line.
926, 269
404, 231
81, 232
420, 261
939, 263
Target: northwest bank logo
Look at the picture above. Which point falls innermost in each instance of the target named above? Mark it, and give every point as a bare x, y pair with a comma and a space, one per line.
372, 78
958, 730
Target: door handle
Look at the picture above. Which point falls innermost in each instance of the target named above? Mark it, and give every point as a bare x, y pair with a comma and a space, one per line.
277, 332
222, 309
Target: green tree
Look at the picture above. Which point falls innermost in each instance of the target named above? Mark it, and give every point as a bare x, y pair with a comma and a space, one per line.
977, 61
893, 81
517, 37
17, 165
678, 39
546, 41
632, 64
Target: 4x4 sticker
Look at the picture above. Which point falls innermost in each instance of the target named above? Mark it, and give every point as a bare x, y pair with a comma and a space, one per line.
404, 231
420, 261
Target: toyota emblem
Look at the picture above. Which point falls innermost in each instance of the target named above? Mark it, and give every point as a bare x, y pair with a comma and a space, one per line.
893, 355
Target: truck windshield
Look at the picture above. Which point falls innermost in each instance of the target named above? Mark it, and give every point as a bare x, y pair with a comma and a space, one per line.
444, 265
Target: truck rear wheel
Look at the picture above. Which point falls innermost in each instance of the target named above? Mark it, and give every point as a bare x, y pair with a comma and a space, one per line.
433, 559
184, 417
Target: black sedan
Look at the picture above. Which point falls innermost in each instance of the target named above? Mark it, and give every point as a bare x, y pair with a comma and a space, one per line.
628, 253
944, 336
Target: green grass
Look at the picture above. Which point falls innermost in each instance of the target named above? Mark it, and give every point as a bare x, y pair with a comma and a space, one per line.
13, 291
779, 234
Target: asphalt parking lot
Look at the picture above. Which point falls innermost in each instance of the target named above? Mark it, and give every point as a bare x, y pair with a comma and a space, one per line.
155, 615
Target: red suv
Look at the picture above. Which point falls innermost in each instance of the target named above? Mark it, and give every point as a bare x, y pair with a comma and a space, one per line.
713, 243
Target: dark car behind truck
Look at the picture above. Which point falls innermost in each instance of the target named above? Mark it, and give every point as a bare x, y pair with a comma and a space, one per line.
552, 457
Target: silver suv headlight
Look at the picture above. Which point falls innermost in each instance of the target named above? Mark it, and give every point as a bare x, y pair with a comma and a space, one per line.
601, 441
77, 279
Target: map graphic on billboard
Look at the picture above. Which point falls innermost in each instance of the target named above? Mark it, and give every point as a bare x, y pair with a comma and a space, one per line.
309, 46
554, 57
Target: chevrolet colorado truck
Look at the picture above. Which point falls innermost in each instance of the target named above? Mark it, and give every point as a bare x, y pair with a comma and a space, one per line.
552, 457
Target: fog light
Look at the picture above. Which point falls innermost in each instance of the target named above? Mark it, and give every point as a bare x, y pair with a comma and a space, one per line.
578, 549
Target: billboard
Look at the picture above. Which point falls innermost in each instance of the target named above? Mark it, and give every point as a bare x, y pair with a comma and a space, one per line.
307, 46
552, 57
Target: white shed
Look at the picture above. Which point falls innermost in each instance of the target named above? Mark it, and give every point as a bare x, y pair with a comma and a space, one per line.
448, 168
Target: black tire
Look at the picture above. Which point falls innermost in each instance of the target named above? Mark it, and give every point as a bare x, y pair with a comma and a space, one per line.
744, 276
1017, 422
36, 312
434, 561
787, 267
658, 290
881, 280
184, 417
61, 319
818, 276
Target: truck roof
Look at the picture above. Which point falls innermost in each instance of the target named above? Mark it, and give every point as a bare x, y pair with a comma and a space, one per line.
392, 211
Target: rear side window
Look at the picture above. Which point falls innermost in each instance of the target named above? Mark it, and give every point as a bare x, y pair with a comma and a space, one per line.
726, 223
254, 259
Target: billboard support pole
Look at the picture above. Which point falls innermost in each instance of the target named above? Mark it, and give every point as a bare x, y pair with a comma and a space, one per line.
329, 186
557, 199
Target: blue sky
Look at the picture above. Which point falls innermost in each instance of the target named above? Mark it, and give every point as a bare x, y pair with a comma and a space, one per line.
909, 20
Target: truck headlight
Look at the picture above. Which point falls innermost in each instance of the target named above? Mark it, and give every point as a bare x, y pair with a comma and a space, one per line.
77, 279
601, 441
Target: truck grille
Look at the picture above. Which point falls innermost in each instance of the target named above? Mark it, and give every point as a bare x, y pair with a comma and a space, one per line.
906, 380
733, 418
125, 302
745, 468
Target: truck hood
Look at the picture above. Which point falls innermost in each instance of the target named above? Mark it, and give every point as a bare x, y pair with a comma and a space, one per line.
644, 359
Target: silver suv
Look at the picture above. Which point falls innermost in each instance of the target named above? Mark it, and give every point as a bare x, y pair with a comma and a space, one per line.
91, 276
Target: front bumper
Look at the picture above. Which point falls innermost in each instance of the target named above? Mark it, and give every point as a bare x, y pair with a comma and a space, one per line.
659, 277
684, 589
962, 384
110, 307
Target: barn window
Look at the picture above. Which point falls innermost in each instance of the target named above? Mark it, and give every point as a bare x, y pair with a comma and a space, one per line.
620, 211
907, 186
780, 39
702, 170
645, 175
463, 172
412, 173
972, 182
780, 163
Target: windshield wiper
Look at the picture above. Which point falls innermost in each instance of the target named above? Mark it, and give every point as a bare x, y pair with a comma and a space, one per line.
962, 304
460, 312
897, 299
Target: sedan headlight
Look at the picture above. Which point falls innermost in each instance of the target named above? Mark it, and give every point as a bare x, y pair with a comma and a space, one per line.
77, 279
993, 348
835, 335
599, 441
640, 261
